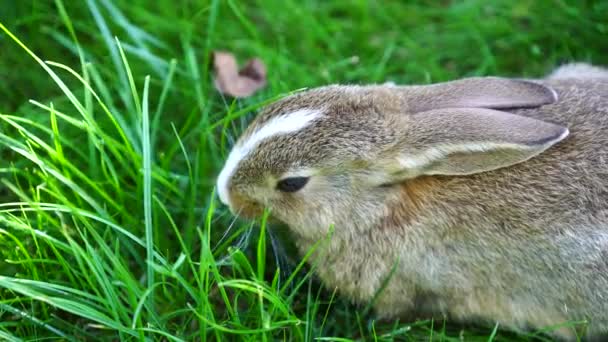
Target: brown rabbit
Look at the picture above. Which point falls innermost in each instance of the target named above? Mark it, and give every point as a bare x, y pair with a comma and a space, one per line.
484, 198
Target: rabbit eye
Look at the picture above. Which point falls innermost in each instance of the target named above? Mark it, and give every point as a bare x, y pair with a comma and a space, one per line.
292, 184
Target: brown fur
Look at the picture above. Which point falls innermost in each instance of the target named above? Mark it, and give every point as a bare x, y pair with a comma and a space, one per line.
524, 245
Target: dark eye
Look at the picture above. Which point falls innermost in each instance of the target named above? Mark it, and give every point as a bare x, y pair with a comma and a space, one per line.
292, 184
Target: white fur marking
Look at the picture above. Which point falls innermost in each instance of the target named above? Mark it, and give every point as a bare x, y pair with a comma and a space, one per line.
279, 125
554, 93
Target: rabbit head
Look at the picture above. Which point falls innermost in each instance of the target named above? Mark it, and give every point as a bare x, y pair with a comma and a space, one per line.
331, 155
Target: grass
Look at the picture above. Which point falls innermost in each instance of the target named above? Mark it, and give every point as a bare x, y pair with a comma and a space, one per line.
111, 135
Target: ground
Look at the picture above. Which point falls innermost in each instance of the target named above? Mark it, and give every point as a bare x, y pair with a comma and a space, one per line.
109, 224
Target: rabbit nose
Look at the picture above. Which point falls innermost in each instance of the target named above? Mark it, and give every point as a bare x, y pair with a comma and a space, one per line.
246, 207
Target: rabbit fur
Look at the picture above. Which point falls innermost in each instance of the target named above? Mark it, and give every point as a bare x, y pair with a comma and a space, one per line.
481, 199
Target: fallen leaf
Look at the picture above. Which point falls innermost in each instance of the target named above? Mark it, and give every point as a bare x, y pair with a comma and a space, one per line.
231, 81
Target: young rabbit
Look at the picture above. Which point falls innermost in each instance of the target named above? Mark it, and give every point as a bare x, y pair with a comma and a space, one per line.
483, 198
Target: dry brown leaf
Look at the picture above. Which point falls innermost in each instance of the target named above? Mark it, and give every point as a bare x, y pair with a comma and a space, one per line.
231, 81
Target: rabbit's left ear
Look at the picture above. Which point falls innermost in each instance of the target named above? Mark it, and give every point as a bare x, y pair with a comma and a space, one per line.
464, 141
477, 92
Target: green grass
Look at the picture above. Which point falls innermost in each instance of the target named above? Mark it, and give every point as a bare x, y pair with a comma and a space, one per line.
111, 135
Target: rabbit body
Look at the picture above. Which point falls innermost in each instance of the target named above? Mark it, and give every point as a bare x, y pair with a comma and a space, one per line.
524, 245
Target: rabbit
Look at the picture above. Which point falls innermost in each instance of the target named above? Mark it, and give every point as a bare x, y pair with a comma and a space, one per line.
478, 199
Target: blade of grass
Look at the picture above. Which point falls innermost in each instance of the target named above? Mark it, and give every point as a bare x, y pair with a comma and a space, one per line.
147, 169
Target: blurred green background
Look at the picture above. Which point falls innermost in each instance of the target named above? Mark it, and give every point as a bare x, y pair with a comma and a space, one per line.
109, 228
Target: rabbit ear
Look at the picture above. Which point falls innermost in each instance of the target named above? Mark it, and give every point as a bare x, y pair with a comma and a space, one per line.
478, 92
463, 141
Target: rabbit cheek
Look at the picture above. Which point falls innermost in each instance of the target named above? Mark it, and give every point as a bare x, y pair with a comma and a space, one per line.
407, 205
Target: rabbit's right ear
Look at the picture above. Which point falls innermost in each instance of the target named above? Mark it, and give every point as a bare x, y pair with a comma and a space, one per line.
478, 92
464, 141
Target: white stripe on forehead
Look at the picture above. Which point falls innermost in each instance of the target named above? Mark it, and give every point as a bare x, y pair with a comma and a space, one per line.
283, 124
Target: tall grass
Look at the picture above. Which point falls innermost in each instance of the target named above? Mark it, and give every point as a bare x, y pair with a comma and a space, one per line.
111, 135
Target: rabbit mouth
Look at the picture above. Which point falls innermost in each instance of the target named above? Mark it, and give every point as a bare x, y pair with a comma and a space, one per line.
249, 210
246, 208
255, 211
